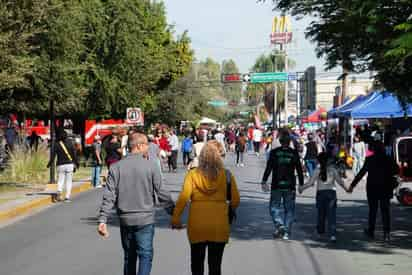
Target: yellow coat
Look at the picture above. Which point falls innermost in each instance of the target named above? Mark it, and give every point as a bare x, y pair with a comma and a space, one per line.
208, 212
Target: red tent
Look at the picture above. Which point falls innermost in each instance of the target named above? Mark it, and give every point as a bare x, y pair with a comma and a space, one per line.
315, 116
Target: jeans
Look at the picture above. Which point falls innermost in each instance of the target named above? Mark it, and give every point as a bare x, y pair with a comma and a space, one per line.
357, 165
239, 157
385, 206
250, 145
65, 173
257, 146
96, 175
283, 216
215, 255
137, 241
186, 158
172, 160
326, 203
311, 166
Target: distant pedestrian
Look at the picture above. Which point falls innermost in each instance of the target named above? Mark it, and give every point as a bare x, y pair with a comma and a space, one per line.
241, 143
283, 163
67, 162
34, 140
311, 155
257, 139
174, 147
250, 138
113, 151
380, 183
11, 138
131, 187
220, 137
153, 153
97, 161
359, 155
325, 176
206, 189
187, 148
197, 148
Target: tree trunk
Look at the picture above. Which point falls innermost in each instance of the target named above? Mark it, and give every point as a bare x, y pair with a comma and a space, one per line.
344, 84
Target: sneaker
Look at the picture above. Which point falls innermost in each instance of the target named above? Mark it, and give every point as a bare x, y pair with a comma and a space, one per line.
242, 165
237, 165
67, 200
333, 239
99, 186
285, 236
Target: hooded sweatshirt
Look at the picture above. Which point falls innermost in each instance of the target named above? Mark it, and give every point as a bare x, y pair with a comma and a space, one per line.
208, 210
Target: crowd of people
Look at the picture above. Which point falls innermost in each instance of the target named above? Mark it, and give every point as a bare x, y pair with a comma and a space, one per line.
292, 156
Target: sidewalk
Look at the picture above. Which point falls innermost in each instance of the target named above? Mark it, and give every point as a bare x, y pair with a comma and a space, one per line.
16, 204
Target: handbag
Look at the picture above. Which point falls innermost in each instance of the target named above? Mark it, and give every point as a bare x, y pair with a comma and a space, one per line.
231, 213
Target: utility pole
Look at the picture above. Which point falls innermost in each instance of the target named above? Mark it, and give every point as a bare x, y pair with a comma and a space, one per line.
286, 83
52, 141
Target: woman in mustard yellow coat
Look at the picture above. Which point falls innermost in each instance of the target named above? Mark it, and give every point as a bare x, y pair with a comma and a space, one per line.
208, 225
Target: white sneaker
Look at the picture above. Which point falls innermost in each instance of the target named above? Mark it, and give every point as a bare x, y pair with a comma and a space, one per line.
333, 239
99, 186
242, 165
285, 236
237, 164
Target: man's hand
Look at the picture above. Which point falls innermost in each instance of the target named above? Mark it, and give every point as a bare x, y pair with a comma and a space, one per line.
265, 187
177, 226
102, 229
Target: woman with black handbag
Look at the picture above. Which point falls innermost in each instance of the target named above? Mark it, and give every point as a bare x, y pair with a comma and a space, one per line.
206, 187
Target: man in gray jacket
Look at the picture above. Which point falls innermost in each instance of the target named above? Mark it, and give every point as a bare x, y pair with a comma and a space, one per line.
132, 186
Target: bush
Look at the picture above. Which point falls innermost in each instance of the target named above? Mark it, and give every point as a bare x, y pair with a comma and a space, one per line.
26, 167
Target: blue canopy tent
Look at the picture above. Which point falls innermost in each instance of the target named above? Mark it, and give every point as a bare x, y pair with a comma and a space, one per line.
386, 105
333, 112
345, 111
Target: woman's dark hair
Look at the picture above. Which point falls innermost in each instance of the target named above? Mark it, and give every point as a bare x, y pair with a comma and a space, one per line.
323, 161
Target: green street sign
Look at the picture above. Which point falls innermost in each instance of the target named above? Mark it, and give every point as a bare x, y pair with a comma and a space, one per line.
268, 77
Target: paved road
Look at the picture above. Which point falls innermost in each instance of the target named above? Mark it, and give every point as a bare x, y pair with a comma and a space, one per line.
62, 239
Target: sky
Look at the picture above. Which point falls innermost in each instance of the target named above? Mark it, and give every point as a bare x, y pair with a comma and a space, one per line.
238, 30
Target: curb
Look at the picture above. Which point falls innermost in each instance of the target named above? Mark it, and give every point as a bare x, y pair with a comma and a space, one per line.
31, 206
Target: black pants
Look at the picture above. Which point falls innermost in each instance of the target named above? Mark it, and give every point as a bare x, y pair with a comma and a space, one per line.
215, 255
385, 205
239, 157
186, 158
257, 146
172, 160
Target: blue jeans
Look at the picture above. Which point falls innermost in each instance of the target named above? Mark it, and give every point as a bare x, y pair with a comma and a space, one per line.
326, 203
137, 241
96, 175
283, 215
311, 166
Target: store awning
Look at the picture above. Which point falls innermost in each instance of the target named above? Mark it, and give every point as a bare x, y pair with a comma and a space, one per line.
315, 116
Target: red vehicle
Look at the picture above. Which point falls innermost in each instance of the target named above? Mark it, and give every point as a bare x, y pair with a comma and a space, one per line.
103, 128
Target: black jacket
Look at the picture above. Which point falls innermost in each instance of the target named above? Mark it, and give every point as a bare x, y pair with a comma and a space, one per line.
283, 162
380, 169
62, 157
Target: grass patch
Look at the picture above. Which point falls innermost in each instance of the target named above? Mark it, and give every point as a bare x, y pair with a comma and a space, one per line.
26, 168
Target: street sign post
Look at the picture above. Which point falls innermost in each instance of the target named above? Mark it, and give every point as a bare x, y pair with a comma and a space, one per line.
268, 77
230, 78
134, 116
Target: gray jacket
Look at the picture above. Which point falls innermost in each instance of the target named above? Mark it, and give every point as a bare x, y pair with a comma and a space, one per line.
132, 186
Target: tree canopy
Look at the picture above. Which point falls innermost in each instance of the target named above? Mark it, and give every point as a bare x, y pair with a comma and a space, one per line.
95, 58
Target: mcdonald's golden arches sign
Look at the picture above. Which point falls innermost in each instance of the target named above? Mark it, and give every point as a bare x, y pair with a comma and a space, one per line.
281, 30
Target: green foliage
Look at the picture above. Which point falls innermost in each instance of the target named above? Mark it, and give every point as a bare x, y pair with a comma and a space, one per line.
27, 167
94, 57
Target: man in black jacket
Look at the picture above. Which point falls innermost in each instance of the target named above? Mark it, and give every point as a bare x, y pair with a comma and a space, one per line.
282, 163
66, 164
